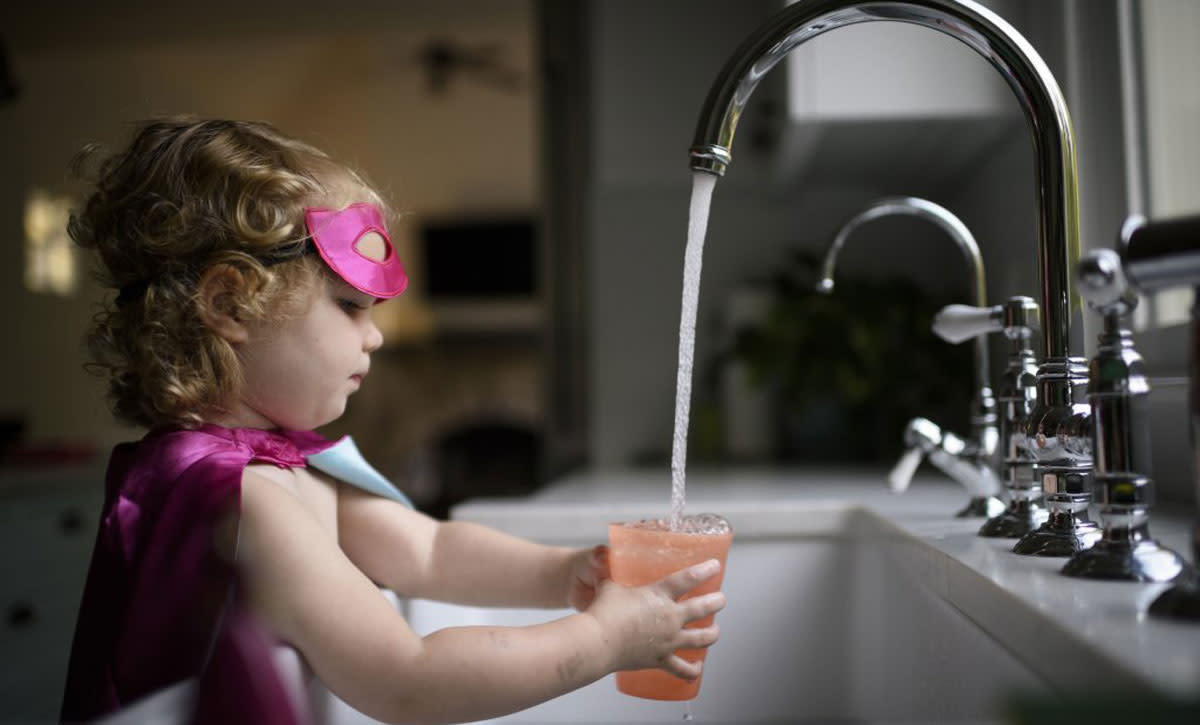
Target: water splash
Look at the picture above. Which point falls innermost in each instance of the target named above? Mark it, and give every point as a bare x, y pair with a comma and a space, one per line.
702, 189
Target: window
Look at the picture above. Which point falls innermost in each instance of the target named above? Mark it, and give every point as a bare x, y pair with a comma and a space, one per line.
50, 265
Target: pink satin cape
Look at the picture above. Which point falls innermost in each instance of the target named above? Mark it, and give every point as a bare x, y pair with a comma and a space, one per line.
158, 591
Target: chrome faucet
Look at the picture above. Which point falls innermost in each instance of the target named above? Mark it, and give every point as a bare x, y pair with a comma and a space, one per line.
1119, 391
1017, 319
967, 462
1155, 256
1058, 449
973, 462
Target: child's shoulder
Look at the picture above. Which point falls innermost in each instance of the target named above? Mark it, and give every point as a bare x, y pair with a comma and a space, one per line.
209, 457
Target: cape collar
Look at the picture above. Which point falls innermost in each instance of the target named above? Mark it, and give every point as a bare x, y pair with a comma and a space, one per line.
286, 448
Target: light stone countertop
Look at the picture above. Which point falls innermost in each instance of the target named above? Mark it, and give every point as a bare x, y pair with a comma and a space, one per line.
1081, 635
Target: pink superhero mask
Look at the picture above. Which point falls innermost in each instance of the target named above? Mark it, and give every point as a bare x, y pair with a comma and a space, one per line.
339, 238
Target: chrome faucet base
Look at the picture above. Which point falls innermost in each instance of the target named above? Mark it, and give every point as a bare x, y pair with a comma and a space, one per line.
1020, 518
981, 507
1063, 534
1126, 554
1181, 602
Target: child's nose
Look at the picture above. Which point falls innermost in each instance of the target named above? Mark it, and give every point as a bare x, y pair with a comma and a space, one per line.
374, 338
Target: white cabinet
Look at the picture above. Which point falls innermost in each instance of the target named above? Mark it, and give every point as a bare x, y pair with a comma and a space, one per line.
46, 539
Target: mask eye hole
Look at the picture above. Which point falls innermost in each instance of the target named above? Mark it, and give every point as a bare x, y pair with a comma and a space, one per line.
373, 246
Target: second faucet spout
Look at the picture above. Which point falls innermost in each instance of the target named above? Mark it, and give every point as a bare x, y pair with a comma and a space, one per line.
978, 467
984, 410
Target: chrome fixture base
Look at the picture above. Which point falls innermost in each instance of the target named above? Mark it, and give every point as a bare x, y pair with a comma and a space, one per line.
981, 507
1181, 601
1018, 519
1063, 534
1127, 555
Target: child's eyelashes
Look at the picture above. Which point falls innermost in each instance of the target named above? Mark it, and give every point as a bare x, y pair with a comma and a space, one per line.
350, 305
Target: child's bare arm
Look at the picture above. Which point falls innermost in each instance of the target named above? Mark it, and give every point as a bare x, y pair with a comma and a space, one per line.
453, 561
313, 597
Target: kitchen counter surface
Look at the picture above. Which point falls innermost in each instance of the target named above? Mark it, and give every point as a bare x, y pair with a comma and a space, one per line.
1079, 635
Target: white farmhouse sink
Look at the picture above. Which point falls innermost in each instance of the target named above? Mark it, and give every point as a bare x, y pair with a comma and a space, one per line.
830, 621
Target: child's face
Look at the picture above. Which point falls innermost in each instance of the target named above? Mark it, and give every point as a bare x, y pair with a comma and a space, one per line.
299, 373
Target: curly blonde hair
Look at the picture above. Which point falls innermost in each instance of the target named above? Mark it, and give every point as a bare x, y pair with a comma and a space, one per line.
188, 195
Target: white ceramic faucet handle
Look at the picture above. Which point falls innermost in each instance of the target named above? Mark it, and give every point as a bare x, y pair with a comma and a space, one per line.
957, 323
902, 473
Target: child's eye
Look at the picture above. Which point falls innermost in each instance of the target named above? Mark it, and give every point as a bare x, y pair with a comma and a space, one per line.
350, 305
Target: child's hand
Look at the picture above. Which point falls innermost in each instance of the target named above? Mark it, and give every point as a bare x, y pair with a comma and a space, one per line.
645, 625
589, 567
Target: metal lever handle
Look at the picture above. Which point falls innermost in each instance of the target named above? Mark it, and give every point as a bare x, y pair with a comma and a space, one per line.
902, 473
1161, 254
957, 323
1103, 284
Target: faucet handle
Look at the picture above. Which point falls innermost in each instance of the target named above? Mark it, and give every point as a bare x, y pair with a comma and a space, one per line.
1017, 317
957, 323
901, 474
1161, 254
1102, 282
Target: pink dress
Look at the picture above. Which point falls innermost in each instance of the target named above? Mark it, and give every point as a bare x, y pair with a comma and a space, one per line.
160, 605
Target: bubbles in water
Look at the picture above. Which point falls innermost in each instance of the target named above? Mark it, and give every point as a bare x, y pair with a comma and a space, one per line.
708, 524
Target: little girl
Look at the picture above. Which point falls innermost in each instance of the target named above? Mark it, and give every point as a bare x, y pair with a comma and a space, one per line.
246, 265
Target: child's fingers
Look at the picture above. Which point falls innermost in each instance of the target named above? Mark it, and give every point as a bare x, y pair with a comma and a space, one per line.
685, 580
702, 606
680, 667
599, 561
698, 638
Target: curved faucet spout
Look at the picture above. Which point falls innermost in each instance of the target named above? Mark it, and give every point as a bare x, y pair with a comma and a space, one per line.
984, 411
924, 209
1026, 73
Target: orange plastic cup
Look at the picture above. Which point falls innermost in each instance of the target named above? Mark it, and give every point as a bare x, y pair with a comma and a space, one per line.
645, 552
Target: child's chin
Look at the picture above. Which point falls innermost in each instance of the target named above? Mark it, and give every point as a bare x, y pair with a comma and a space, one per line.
312, 422
331, 416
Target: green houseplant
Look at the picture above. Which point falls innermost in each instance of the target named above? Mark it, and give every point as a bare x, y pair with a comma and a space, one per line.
849, 369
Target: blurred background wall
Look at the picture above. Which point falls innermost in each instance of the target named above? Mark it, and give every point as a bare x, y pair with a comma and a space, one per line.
572, 118
567, 123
